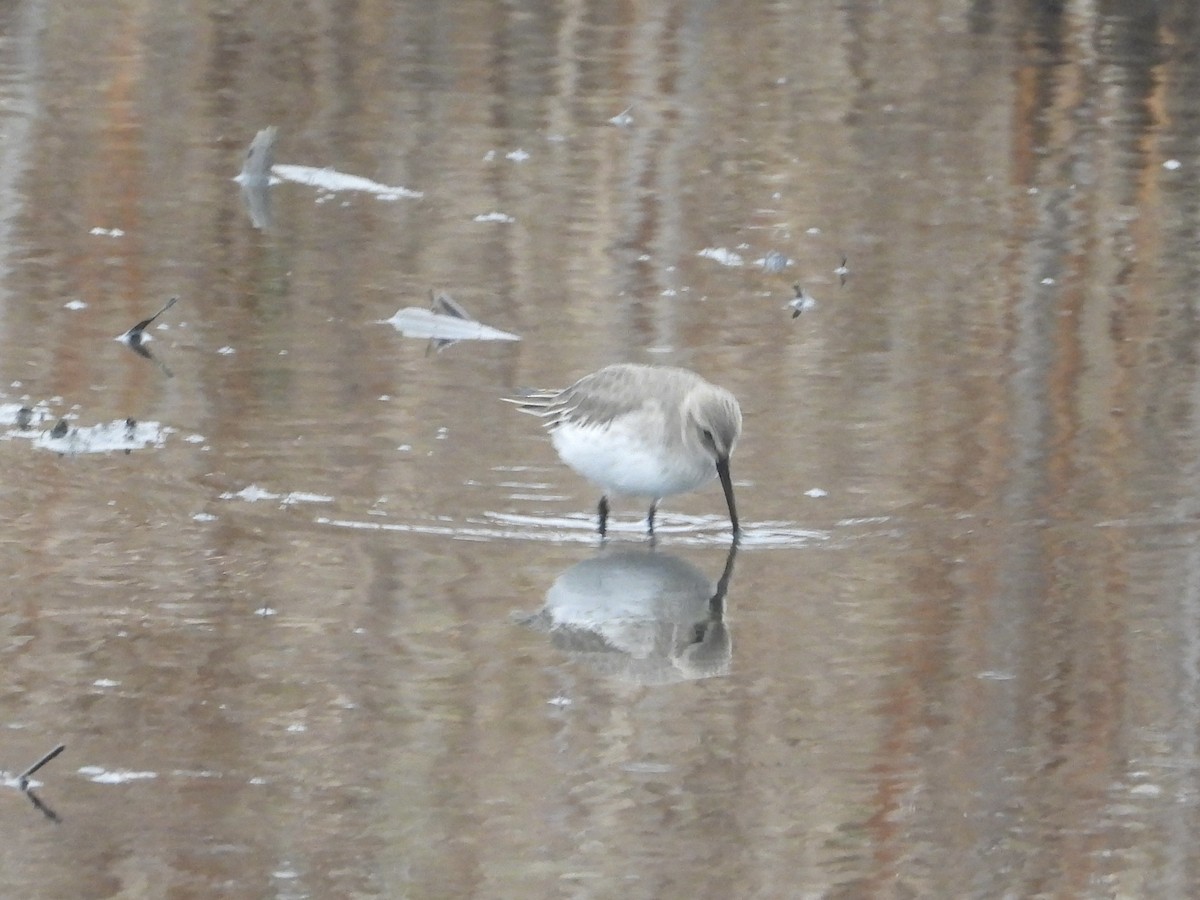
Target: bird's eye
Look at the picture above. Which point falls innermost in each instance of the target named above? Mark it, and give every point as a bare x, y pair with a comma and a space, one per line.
707, 436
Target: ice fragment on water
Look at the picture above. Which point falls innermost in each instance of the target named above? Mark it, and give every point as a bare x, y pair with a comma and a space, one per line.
773, 261
100, 775
721, 255
333, 180
253, 493
494, 217
256, 166
413, 321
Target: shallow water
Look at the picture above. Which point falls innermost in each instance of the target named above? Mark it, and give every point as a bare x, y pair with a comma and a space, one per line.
338, 624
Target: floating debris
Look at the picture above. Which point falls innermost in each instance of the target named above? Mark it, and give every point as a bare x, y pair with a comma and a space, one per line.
842, 272
445, 324
256, 167
100, 775
136, 338
494, 217
24, 784
106, 437
252, 493
334, 181
774, 262
22, 415
255, 177
722, 256
23, 778
259, 172
802, 302
443, 304
622, 119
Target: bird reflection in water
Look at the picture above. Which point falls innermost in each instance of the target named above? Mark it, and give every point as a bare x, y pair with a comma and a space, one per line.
641, 615
255, 178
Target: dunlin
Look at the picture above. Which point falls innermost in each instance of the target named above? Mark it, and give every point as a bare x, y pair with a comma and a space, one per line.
643, 431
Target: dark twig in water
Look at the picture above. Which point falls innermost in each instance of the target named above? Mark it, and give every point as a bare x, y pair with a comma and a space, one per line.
23, 778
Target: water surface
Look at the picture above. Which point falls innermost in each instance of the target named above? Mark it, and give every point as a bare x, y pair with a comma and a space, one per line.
337, 624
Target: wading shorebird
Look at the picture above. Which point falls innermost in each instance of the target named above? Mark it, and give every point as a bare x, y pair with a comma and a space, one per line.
643, 431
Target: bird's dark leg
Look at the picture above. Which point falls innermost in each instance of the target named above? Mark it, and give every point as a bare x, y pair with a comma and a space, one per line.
650, 517
602, 510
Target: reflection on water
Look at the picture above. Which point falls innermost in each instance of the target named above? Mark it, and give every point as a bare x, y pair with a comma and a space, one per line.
640, 614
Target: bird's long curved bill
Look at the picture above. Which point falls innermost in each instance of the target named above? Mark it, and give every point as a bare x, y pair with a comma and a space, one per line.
727, 487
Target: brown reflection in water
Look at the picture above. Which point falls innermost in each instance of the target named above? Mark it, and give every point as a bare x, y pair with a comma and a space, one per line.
983, 682
1049, 593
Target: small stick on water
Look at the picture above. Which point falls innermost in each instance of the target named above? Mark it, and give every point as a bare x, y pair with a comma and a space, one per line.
23, 778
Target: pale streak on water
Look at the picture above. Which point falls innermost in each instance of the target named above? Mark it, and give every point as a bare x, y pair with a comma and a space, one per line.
339, 626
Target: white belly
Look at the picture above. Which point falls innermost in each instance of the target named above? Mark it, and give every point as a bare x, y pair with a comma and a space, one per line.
620, 461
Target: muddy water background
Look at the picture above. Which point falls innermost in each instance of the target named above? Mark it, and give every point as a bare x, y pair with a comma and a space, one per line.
293, 650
